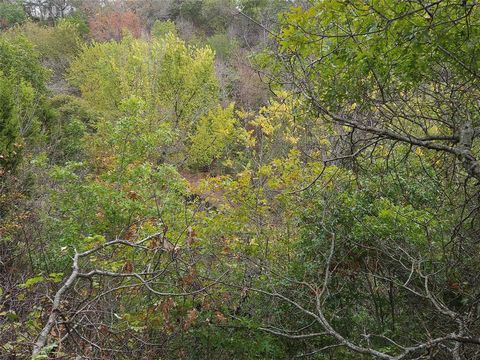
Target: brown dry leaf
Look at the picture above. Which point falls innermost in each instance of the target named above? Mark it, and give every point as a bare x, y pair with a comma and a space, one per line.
100, 214
191, 236
192, 315
133, 195
128, 267
219, 317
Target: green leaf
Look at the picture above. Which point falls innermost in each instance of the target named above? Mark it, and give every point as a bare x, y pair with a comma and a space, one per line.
32, 281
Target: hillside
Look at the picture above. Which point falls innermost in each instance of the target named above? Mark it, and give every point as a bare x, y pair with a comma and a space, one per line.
239, 179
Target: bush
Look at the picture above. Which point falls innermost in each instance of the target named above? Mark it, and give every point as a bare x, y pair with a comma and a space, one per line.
10, 15
56, 45
161, 28
22, 84
223, 45
70, 121
9, 124
112, 25
214, 134
19, 59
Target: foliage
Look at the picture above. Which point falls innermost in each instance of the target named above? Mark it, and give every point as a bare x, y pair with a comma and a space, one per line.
223, 46
19, 60
112, 25
10, 15
406, 44
214, 135
10, 124
163, 28
57, 45
176, 82
79, 20
309, 194
68, 124
22, 86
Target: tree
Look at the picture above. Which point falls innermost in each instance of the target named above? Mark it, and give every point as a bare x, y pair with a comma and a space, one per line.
23, 84
113, 24
162, 28
10, 15
10, 142
19, 60
56, 45
391, 70
215, 133
149, 216
398, 82
176, 82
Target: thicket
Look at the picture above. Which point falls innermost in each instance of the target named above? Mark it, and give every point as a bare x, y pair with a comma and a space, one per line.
257, 179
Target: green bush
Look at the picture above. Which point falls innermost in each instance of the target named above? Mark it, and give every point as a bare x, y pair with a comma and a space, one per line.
161, 28
223, 45
11, 14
